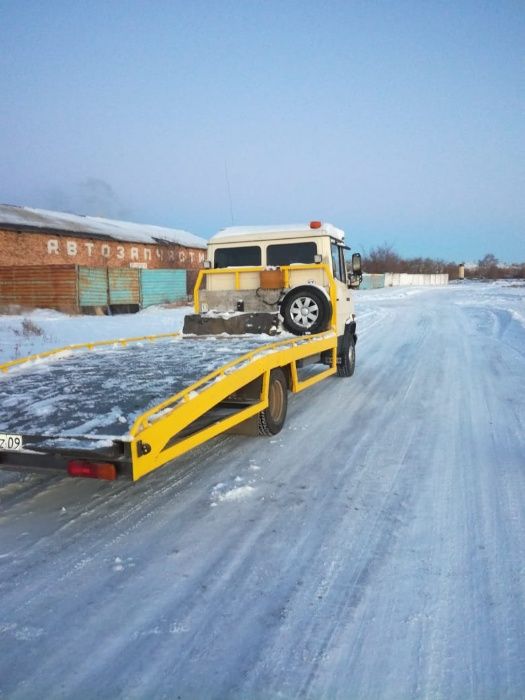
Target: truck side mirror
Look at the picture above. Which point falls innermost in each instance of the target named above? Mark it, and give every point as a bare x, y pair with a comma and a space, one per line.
356, 275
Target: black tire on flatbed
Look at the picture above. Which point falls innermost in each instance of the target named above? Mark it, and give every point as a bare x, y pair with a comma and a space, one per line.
305, 309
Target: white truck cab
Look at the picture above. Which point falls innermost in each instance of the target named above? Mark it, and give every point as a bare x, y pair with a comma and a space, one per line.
297, 272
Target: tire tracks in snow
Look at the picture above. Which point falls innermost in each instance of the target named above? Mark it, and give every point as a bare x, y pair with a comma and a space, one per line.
379, 553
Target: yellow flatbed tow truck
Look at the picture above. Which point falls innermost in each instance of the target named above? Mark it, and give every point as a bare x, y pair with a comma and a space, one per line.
126, 407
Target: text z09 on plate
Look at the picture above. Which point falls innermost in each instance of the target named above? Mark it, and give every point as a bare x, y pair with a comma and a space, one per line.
10, 442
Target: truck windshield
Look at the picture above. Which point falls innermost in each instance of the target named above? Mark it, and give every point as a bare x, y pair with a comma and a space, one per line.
289, 253
246, 256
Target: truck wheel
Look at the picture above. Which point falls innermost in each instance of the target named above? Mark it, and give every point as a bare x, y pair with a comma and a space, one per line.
305, 310
346, 359
271, 420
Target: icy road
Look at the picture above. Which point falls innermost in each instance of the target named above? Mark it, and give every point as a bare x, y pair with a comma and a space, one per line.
375, 548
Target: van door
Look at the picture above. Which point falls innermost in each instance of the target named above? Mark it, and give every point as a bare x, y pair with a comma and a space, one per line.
345, 304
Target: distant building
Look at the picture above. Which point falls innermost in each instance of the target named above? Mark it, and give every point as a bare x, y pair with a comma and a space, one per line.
40, 237
79, 264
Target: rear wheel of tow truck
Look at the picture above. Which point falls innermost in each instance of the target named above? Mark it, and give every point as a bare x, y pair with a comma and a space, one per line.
346, 358
271, 420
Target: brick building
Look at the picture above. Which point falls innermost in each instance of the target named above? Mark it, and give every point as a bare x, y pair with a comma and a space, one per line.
40, 237
78, 264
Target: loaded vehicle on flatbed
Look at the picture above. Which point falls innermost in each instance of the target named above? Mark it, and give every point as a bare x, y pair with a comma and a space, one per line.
273, 313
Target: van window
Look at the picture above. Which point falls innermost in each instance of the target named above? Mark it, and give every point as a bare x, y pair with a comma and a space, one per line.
344, 271
289, 253
337, 268
246, 256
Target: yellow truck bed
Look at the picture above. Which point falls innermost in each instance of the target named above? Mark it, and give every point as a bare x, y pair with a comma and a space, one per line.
136, 404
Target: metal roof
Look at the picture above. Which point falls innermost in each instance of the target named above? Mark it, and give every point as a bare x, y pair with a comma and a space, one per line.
61, 223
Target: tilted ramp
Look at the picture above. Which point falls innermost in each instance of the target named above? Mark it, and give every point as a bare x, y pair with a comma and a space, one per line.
141, 402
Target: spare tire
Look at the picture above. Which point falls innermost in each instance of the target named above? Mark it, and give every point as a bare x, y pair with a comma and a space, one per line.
306, 309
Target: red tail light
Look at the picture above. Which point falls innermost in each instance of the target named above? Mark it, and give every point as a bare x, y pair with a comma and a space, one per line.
92, 470
315, 224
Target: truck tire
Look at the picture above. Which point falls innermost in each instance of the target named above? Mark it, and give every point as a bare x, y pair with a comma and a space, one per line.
305, 310
346, 358
271, 420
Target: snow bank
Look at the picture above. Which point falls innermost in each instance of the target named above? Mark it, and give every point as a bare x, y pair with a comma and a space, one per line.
50, 329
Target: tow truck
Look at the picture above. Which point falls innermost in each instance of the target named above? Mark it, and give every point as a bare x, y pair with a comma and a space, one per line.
273, 314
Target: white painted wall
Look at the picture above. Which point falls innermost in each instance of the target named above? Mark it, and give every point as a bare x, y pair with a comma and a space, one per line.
403, 279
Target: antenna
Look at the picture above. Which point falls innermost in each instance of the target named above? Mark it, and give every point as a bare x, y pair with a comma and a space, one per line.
229, 189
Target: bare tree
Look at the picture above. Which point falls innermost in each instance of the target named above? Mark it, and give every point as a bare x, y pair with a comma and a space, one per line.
382, 259
488, 261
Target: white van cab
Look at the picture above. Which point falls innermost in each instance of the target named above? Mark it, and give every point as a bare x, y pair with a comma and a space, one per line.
297, 272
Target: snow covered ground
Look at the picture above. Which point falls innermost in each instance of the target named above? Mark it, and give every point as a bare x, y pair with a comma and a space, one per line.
45, 329
374, 548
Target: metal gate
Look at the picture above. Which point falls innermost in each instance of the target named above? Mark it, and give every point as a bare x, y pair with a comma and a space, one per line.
123, 286
162, 286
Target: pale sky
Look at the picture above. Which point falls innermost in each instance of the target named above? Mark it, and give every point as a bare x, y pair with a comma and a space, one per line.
400, 122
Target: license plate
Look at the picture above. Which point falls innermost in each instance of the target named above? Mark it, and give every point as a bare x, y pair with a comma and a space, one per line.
10, 442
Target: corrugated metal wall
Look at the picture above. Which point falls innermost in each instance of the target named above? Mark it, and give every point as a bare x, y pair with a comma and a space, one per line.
162, 286
123, 286
191, 278
40, 286
93, 286
73, 289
